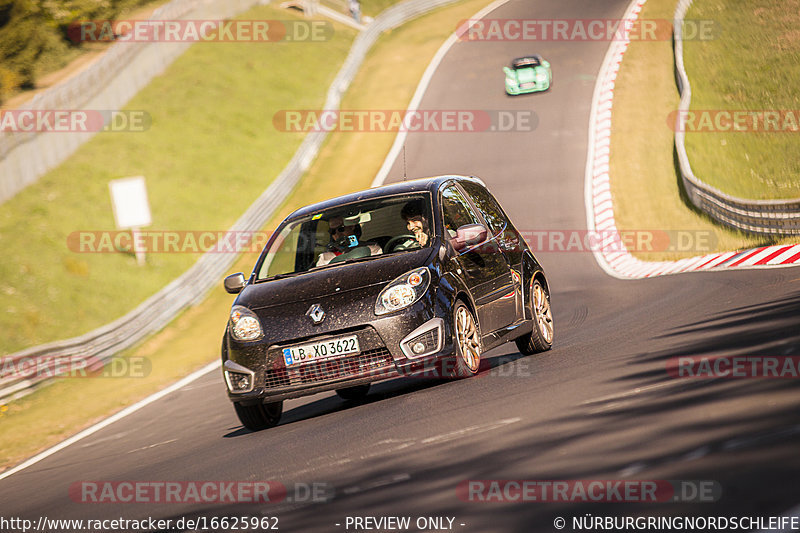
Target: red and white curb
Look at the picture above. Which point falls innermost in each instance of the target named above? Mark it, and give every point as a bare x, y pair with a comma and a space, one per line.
597, 193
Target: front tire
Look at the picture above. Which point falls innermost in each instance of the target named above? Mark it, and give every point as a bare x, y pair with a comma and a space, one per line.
467, 337
540, 339
259, 416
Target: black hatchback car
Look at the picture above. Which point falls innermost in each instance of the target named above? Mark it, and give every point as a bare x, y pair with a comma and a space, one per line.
419, 276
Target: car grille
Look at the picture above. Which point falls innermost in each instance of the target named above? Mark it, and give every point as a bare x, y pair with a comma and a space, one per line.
329, 369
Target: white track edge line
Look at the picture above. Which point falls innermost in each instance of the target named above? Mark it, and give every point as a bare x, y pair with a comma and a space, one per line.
197, 374
588, 187
628, 269
422, 87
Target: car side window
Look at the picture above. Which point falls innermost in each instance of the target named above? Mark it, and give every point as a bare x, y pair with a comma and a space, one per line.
283, 256
487, 205
455, 211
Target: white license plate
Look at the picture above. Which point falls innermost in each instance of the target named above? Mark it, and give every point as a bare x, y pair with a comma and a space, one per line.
314, 351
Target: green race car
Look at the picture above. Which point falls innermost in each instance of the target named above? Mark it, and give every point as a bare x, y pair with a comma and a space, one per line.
528, 75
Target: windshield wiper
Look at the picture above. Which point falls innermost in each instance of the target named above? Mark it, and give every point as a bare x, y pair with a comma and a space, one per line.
359, 259
281, 276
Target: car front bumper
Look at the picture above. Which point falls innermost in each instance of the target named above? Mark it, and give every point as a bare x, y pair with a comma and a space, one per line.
402, 343
534, 88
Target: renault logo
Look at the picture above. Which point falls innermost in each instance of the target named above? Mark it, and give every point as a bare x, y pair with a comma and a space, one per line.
315, 313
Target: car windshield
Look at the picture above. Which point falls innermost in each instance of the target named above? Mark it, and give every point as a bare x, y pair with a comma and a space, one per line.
353, 232
526, 63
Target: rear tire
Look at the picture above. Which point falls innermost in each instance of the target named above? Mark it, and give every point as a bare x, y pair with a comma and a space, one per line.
259, 416
359, 392
467, 341
540, 339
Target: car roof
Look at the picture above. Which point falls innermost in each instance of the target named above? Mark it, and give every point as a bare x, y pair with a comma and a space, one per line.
430, 184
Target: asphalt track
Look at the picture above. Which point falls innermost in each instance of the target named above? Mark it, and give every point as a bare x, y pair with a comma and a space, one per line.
599, 406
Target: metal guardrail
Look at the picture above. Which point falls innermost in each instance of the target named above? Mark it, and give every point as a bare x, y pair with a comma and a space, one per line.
107, 84
191, 287
753, 216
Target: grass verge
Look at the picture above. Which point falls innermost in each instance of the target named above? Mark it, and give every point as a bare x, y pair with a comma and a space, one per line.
210, 150
751, 63
66, 406
645, 184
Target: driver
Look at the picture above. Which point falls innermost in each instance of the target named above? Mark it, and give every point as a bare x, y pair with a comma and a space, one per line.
343, 238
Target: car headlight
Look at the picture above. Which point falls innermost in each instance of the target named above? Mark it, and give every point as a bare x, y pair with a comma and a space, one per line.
403, 291
244, 324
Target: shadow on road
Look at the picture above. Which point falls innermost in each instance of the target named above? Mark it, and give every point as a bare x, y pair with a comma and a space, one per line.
742, 434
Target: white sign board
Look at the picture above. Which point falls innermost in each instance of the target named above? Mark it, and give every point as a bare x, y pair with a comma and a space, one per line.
129, 200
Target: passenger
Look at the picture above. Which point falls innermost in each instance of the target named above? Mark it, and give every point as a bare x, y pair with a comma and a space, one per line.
343, 238
416, 223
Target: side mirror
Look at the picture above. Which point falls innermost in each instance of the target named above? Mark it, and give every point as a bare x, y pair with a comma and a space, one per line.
509, 72
235, 283
469, 235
